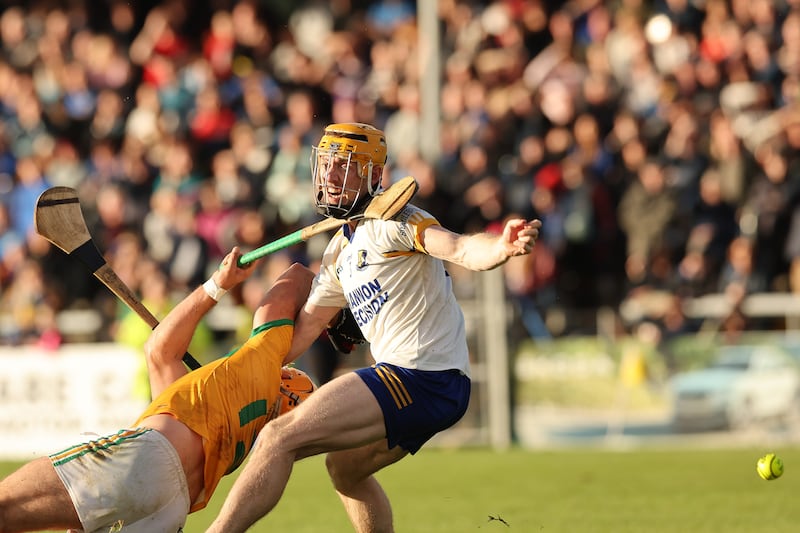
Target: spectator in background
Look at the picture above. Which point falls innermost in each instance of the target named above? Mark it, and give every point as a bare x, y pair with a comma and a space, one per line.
645, 210
28, 301
287, 188
112, 216
532, 284
729, 158
516, 173
64, 166
404, 123
589, 151
685, 163
214, 219
12, 247
739, 277
103, 166
218, 44
301, 116
792, 251
189, 261
30, 183
158, 224
252, 151
138, 174
28, 134
175, 99
78, 100
233, 188
142, 122
17, 44
384, 16
210, 121
472, 188
251, 229
767, 202
713, 225
589, 230
177, 169
624, 129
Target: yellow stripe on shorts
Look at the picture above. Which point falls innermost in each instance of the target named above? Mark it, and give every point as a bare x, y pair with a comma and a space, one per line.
94, 446
398, 391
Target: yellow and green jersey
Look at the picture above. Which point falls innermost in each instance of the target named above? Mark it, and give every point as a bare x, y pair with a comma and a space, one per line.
229, 400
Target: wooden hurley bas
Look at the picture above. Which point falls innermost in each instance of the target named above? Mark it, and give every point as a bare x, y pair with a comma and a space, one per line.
58, 218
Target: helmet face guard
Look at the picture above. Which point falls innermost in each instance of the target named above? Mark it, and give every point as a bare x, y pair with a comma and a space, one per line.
344, 168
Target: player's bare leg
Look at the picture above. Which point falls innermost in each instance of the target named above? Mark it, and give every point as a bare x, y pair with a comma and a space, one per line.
341, 414
34, 498
363, 498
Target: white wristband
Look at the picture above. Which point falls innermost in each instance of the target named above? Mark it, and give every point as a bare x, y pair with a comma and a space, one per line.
214, 291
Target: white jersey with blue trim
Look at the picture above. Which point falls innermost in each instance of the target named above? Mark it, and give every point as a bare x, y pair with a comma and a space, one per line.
401, 297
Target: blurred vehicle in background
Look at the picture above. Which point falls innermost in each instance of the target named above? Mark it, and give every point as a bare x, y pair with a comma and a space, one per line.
744, 386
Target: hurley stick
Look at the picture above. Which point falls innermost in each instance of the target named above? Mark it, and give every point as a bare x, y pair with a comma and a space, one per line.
383, 207
58, 218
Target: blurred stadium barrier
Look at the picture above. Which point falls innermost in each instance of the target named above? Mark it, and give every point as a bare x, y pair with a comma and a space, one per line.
49, 398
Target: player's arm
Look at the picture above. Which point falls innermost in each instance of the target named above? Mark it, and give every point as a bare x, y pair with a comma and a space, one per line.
310, 322
165, 347
481, 251
285, 297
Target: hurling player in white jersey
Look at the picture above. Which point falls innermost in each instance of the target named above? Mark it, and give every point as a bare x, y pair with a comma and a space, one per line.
391, 275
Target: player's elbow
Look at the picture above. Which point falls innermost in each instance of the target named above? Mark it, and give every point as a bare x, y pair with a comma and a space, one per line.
154, 349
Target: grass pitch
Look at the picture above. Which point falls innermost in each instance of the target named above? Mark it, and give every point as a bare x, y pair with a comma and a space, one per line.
572, 491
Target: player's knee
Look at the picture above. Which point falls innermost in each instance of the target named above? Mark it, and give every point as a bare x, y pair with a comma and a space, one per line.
342, 475
276, 436
335, 472
300, 274
292, 286
267, 437
298, 269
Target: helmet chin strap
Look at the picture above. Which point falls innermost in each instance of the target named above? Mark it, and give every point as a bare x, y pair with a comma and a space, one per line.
335, 211
360, 205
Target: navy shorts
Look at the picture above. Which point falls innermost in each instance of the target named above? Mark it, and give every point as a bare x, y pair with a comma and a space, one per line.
416, 404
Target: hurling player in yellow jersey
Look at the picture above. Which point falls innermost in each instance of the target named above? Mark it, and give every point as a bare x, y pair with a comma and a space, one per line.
391, 275
199, 426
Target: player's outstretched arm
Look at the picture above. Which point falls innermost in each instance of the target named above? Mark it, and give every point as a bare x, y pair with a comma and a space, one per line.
170, 339
482, 251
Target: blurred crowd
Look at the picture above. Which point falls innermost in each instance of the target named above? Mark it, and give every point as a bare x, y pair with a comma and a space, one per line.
656, 140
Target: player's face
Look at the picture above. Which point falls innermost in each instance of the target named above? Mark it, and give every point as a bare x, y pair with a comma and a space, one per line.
339, 183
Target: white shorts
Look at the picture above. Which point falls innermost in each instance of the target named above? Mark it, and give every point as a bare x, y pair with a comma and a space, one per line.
131, 481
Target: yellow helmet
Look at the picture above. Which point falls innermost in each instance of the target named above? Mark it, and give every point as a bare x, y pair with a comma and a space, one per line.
344, 147
296, 385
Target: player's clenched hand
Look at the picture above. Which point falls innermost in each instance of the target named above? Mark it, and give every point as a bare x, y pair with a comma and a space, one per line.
519, 236
229, 273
